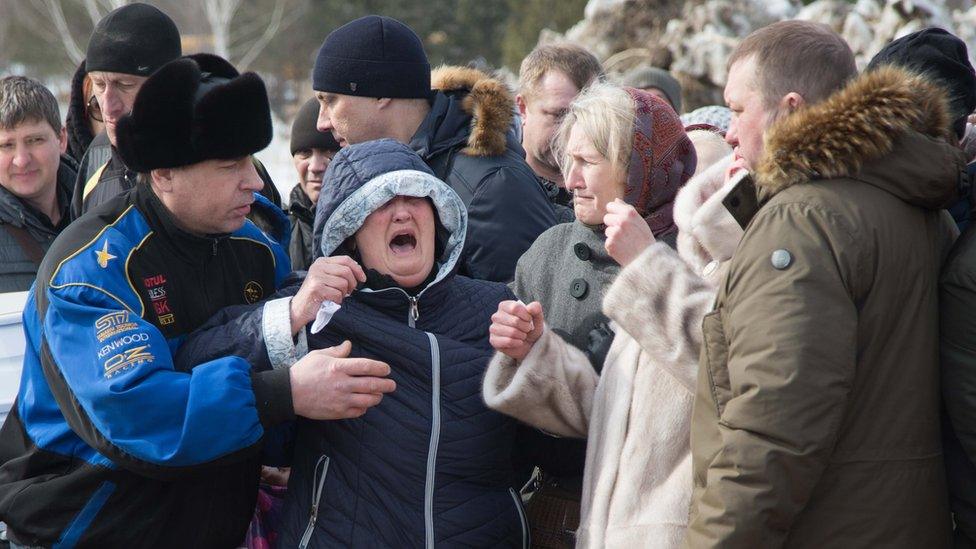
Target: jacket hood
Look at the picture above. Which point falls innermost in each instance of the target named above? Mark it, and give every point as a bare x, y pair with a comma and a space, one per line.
363, 177
469, 107
76, 122
853, 133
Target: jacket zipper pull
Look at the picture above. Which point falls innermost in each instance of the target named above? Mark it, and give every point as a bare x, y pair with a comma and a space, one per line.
215, 247
414, 311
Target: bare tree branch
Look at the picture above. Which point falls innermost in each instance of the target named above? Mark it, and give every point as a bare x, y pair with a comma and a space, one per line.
56, 12
264, 39
219, 14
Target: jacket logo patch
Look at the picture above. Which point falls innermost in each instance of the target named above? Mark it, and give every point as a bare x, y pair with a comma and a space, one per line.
127, 359
253, 292
156, 288
123, 341
113, 324
103, 256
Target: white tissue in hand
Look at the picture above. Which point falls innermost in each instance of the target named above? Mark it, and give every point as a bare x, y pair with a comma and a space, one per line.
326, 310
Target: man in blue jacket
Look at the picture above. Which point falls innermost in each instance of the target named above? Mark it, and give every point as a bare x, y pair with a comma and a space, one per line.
373, 81
110, 444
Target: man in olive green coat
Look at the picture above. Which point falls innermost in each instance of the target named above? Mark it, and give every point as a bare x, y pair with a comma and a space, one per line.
816, 421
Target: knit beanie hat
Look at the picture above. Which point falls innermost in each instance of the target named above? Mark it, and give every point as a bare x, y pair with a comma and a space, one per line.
653, 77
712, 117
134, 39
193, 109
373, 56
304, 133
941, 56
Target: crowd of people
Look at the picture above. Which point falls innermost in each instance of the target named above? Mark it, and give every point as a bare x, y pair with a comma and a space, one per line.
564, 315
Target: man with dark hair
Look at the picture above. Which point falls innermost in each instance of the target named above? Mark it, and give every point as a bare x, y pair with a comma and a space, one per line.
35, 179
112, 443
373, 80
550, 77
816, 419
311, 152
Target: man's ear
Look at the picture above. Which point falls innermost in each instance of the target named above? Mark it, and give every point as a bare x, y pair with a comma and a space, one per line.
520, 101
63, 139
162, 179
791, 103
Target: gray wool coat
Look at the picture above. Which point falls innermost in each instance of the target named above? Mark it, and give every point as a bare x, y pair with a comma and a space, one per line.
567, 270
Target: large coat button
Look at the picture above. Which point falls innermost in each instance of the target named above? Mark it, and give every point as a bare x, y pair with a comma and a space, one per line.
578, 288
582, 251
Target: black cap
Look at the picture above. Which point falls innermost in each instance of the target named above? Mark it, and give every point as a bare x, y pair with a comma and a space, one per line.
943, 57
373, 56
193, 109
305, 135
134, 39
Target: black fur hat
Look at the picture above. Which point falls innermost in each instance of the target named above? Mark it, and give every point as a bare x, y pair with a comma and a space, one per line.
192, 109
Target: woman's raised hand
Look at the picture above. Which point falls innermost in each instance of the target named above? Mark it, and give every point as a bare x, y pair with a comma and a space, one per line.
515, 327
627, 232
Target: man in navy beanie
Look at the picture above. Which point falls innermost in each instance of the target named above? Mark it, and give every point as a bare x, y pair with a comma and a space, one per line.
373, 80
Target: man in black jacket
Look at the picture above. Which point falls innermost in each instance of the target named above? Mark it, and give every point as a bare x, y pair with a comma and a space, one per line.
35, 179
110, 444
373, 80
311, 152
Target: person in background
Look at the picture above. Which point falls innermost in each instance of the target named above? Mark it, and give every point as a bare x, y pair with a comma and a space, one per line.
817, 410
656, 81
311, 152
84, 118
35, 179
127, 46
618, 147
373, 80
944, 59
550, 77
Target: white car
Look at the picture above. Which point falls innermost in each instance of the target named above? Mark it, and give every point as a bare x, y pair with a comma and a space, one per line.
12, 344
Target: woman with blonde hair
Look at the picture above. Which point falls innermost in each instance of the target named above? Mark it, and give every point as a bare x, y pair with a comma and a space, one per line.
636, 412
623, 152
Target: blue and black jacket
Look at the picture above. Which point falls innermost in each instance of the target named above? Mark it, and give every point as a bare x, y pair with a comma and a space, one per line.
109, 443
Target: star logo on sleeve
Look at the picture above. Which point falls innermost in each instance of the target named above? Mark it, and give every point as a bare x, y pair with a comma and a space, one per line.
103, 256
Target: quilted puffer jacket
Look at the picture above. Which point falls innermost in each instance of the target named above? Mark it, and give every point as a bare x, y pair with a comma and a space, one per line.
431, 465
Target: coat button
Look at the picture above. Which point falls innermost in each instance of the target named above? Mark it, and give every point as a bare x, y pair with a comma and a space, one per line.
781, 259
578, 288
582, 251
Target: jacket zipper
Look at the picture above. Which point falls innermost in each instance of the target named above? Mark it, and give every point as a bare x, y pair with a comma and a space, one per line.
526, 535
414, 313
435, 436
318, 483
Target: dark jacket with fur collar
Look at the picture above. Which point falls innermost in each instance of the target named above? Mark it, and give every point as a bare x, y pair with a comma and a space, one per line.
816, 421
467, 142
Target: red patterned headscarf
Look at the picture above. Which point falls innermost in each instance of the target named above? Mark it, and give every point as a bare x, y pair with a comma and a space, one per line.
663, 159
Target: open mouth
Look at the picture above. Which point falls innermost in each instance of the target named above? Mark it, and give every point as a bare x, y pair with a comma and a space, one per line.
403, 242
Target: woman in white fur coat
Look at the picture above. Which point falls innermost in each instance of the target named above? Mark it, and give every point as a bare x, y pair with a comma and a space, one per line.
637, 414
